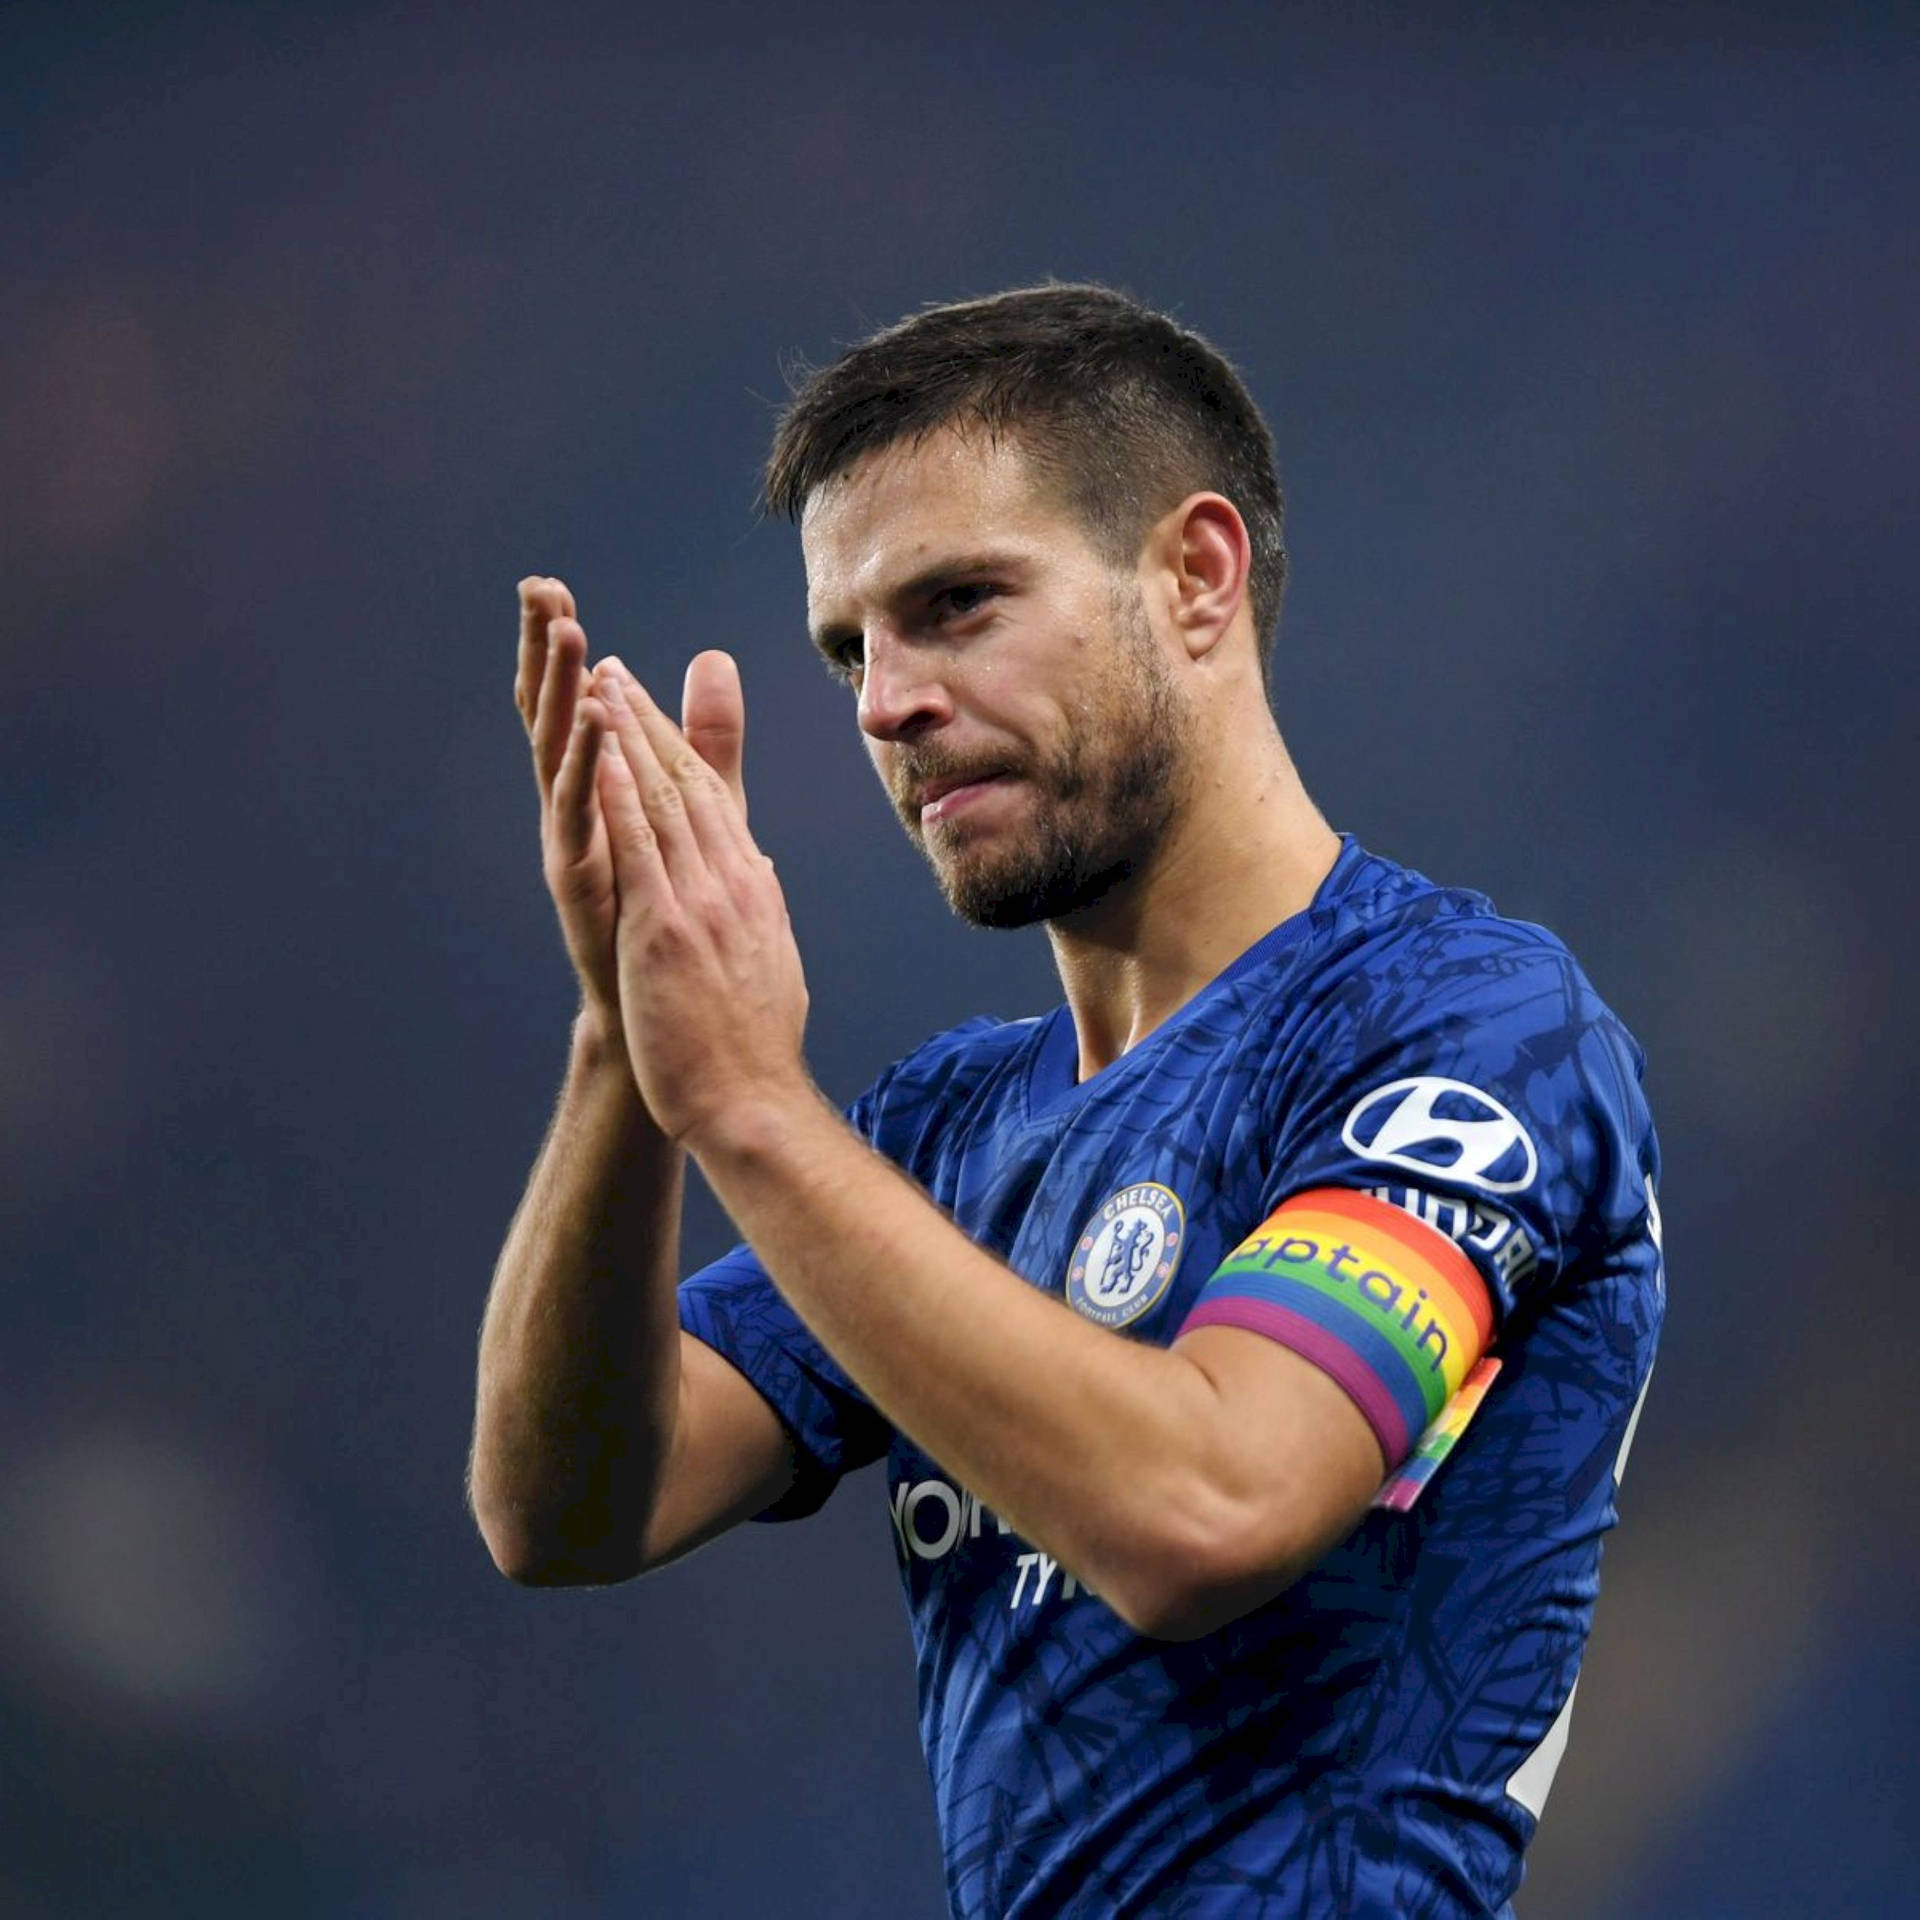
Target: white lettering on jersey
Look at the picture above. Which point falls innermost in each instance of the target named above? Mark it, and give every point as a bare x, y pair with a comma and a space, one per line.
1472, 1224
932, 1518
1043, 1567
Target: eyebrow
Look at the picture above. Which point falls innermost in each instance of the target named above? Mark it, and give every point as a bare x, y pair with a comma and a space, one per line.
926, 583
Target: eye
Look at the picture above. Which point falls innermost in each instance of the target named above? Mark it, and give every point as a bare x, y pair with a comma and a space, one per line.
966, 599
841, 650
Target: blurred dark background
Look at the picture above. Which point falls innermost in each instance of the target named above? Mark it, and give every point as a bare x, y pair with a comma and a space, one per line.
1587, 337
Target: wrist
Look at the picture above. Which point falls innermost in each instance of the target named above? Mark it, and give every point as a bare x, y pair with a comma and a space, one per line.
757, 1128
598, 1066
600, 1081
599, 1039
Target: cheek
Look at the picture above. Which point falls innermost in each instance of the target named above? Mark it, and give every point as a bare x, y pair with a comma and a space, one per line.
1091, 712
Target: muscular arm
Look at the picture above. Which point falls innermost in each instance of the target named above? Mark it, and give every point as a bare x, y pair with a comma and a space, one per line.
605, 1440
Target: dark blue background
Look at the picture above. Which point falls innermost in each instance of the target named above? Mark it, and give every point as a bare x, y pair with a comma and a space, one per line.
1587, 338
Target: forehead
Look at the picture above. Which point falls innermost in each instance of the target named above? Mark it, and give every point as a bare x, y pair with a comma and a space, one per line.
907, 507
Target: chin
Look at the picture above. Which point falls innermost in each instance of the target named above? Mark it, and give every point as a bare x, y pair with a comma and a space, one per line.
1034, 894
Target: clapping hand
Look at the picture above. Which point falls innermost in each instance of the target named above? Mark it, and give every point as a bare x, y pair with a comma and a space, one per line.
673, 916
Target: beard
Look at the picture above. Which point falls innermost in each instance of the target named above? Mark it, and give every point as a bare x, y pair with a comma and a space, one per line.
1103, 800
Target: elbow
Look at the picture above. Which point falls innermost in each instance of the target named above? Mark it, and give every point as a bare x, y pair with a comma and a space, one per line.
530, 1563
569, 1551
1182, 1614
1176, 1610
1196, 1580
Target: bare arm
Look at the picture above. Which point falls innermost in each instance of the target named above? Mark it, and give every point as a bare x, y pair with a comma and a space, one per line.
605, 1440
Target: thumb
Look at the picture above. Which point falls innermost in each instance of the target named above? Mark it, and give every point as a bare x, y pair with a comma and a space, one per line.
713, 715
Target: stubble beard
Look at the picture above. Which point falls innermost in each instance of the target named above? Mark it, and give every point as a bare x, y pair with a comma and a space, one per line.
1102, 804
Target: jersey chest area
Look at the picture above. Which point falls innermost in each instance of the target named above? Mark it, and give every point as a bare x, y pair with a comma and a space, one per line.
1118, 1199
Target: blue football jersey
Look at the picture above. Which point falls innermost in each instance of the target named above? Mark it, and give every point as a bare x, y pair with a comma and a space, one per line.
1397, 1130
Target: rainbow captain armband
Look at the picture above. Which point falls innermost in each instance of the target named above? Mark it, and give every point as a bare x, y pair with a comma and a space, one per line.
1384, 1304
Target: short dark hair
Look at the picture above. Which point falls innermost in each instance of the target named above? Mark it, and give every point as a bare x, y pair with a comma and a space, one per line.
1125, 412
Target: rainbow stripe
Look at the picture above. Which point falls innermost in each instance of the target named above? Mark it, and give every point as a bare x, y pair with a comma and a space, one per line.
1385, 1304
1403, 1488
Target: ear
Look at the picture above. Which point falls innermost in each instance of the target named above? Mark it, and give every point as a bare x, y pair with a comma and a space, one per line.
1208, 557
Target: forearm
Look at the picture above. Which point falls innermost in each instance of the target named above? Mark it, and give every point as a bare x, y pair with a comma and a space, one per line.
1016, 1396
579, 1348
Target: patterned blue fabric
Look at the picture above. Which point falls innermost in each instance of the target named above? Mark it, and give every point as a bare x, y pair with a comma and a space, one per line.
1346, 1749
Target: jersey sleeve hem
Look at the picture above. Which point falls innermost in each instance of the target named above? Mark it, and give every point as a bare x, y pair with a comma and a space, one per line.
802, 1406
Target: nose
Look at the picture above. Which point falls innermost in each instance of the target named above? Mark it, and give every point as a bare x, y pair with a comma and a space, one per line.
902, 694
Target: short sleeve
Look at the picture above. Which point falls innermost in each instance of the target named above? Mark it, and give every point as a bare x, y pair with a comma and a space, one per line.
734, 1307
1470, 1125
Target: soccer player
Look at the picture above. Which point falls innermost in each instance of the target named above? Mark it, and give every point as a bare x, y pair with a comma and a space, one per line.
1254, 1340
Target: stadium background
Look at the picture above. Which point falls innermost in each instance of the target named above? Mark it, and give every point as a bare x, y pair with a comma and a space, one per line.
1587, 340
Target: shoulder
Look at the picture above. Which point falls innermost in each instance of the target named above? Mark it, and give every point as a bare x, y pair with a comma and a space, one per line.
1400, 957
949, 1068
974, 1047
1448, 1048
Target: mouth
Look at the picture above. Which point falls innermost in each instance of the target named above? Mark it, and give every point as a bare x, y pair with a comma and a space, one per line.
943, 799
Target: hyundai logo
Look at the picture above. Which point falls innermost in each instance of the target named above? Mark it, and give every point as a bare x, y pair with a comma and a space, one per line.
1434, 1126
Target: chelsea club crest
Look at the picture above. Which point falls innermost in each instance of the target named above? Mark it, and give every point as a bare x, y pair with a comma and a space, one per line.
1126, 1257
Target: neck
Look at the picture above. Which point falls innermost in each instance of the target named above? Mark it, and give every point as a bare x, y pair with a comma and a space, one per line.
1247, 850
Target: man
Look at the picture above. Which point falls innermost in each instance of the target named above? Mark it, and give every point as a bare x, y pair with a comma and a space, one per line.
1166, 1308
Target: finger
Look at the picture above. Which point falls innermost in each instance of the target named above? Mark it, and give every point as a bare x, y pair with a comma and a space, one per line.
662, 795
574, 783
713, 715
639, 873
715, 712
560, 689
718, 823
542, 599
